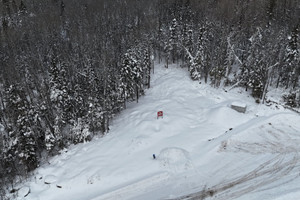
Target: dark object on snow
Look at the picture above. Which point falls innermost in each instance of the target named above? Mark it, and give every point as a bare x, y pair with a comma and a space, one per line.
16, 190
154, 156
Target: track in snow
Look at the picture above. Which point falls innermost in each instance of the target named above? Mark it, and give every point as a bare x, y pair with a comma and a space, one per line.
282, 168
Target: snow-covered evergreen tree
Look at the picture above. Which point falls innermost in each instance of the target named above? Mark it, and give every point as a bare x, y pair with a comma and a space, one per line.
254, 69
50, 140
61, 99
95, 114
146, 64
22, 137
131, 76
291, 71
229, 60
292, 62
81, 132
65, 99
174, 39
199, 62
27, 147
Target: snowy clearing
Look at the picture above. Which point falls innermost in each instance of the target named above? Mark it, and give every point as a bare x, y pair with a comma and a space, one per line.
204, 149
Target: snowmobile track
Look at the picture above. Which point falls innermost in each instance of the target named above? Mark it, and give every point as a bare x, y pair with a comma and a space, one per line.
285, 163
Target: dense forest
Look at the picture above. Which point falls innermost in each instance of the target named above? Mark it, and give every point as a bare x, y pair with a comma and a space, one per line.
67, 67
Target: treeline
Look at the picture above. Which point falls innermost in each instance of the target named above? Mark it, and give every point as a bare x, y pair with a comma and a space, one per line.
250, 44
68, 67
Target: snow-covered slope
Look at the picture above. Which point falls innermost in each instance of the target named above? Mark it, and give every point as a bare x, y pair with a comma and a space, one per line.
203, 148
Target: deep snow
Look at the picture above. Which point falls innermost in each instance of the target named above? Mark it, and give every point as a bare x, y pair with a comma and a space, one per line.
203, 148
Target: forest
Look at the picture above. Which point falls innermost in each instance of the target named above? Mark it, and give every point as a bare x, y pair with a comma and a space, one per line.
68, 67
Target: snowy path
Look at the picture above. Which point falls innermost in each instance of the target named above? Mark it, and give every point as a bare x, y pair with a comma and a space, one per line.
281, 169
203, 148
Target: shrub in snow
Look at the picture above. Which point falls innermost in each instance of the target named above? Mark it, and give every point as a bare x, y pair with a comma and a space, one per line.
290, 99
81, 132
49, 140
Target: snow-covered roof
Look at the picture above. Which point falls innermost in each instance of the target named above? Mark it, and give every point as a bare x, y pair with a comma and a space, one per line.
239, 104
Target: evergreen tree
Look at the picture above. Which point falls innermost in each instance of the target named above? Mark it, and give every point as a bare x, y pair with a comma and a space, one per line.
23, 142
62, 8
146, 64
256, 65
129, 74
22, 8
65, 99
14, 6
91, 88
174, 39
50, 141
27, 146
61, 100
229, 60
6, 8
80, 132
199, 63
292, 61
79, 101
95, 114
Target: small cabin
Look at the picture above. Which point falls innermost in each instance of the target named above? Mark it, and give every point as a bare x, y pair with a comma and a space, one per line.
239, 106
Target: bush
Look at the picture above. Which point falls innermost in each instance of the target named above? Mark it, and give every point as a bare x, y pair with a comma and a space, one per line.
291, 99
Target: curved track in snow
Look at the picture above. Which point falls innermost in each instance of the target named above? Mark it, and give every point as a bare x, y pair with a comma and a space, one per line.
281, 141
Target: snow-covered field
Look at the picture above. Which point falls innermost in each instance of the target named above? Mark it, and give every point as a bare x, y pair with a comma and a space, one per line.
203, 148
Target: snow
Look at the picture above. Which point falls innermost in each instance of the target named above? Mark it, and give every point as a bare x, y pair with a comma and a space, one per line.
50, 179
239, 104
203, 148
175, 159
24, 191
1, 127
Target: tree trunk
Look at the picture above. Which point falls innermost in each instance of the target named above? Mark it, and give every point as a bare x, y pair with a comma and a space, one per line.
167, 63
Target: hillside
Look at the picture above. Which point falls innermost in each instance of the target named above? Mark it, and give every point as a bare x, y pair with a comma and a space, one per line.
68, 68
203, 148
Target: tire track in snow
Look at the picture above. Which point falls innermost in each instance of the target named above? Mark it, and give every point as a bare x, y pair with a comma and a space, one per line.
265, 174
129, 191
284, 165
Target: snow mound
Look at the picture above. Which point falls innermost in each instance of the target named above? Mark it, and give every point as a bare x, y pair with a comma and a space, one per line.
49, 179
225, 116
239, 104
175, 159
138, 143
24, 191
